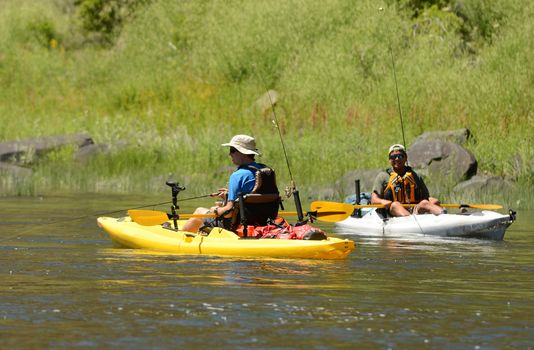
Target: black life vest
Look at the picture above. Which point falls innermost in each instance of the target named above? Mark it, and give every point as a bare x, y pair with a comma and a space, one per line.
265, 179
262, 203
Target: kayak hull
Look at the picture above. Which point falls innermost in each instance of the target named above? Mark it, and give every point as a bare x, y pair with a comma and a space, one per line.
126, 233
483, 225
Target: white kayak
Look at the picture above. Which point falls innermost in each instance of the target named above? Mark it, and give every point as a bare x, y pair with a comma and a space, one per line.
484, 224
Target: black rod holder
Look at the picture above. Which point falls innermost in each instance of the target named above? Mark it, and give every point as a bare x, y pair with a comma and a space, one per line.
175, 189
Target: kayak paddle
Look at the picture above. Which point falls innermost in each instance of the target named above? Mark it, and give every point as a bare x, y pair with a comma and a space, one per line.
473, 206
153, 217
334, 205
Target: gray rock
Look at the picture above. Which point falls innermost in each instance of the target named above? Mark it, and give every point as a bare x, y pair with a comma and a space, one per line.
442, 160
327, 193
483, 184
266, 101
16, 151
455, 136
14, 170
89, 151
346, 186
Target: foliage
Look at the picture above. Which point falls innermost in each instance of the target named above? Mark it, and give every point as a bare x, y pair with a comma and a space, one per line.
176, 79
105, 18
477, 21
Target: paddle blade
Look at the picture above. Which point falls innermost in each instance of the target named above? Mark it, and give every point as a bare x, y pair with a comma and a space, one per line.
148, 217
331, 211
330, 206
334, 215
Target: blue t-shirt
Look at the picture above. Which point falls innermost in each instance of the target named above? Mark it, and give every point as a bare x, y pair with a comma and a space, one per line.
242, 180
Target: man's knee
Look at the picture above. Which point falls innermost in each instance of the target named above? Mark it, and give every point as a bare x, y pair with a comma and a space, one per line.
424, 203
201, 210
397, 209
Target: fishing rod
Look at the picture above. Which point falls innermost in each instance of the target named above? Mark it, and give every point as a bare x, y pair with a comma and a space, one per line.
296, 196
396, 85
121, 210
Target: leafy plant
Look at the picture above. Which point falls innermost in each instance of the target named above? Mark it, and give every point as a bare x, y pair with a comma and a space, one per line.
104, 18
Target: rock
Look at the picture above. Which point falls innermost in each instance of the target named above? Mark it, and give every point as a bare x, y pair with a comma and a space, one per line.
225, 170
345, 185
327, 193
15, 151
455, 136
89, 151
14, 170
483, 184
267, 101
442, 160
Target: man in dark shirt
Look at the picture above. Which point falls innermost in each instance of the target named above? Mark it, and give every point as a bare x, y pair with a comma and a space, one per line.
401, 185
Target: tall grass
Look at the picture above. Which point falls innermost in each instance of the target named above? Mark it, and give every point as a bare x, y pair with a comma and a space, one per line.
183, 77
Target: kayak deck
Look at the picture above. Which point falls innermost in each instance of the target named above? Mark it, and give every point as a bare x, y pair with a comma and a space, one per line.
126, 233
484, 224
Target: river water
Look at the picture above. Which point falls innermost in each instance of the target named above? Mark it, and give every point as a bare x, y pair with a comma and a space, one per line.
63, 286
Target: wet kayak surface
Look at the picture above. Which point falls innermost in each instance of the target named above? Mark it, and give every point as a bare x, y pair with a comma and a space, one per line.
65, 286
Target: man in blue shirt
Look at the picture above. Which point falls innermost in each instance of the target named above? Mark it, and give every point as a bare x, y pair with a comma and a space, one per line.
242, 151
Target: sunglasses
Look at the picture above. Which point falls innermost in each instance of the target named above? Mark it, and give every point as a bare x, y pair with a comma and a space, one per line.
232, 150
398, 156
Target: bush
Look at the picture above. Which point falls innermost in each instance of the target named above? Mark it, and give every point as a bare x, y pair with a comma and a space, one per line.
104, 18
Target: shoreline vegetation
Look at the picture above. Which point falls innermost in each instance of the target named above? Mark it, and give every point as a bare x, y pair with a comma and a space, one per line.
162, 84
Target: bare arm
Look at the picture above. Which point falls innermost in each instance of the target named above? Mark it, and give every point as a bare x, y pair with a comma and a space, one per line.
223, 209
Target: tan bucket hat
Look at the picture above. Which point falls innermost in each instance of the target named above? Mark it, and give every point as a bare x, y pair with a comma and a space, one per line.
243, 143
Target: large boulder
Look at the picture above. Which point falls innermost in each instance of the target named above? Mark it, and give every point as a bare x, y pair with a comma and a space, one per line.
10, 169
442, 160
20, 151
322, 194
483, 184
346, 184
455, 136
86, 152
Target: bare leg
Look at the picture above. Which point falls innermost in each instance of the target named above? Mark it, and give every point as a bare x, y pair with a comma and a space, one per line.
193, 224
396, 209
426, 206
433, 200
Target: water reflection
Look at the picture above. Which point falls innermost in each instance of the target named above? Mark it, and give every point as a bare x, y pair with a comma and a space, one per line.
222, 270
435, 244
65, 286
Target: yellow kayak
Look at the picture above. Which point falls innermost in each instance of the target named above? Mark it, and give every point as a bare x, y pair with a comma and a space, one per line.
126, 233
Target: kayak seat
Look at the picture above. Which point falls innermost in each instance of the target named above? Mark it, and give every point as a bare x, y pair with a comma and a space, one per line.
255, 209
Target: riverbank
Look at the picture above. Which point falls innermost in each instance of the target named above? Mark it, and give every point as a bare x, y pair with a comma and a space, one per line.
179, 79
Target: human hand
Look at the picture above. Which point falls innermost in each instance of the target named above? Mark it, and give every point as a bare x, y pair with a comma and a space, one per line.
221, 192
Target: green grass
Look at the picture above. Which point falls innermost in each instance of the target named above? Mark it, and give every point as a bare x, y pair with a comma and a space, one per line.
183, 77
